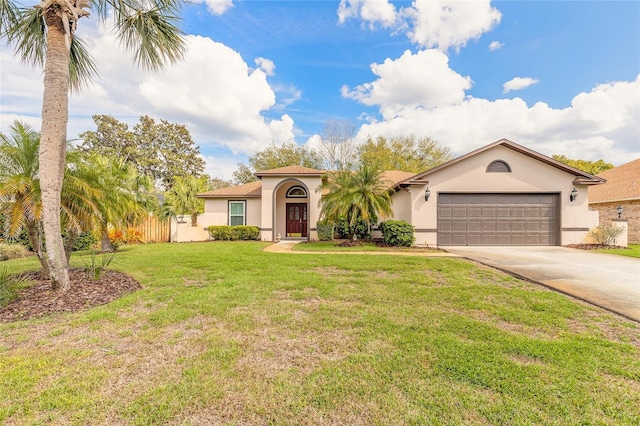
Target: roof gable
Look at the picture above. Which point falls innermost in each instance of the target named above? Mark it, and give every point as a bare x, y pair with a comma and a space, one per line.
623, 183
294, 170
247, 190
581, 177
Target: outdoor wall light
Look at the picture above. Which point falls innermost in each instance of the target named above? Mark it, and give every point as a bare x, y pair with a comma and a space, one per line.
574, 195
619, 210
180, 218
427, 194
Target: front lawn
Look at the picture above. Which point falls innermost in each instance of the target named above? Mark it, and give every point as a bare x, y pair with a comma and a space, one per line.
223, 333
633, 251
334, 246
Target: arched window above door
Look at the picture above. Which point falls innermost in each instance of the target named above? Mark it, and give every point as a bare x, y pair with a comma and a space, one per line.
296, 192
498, 166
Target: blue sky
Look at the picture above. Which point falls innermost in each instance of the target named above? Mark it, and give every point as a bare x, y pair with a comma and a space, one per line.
558, 77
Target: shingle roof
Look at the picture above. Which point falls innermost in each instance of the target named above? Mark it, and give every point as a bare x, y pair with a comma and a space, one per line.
290, 171
623, 183
251, 189
394, 177
581, 177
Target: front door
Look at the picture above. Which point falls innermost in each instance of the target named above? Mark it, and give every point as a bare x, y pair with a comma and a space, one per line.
296, 220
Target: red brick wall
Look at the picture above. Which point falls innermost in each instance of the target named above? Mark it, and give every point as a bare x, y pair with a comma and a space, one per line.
631, 213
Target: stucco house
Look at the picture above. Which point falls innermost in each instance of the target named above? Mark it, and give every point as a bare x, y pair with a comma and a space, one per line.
500, 194
622, 189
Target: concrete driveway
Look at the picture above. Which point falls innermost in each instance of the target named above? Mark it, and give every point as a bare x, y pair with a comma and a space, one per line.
606, 280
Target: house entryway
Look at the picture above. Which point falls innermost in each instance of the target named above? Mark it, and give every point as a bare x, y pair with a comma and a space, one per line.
296, 220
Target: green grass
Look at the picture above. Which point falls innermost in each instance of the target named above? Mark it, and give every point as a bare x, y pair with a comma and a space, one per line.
632, 251
223, 333
334, 246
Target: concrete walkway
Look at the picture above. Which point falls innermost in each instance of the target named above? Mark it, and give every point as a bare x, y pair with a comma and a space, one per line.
286, 246
606, 280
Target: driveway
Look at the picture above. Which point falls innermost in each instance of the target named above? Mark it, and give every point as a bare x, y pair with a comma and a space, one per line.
606, 280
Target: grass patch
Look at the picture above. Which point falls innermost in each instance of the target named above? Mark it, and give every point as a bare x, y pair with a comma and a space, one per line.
632, 251
334, 246
223, 333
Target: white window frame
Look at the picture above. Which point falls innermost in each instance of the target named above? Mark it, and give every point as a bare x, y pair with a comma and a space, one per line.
244, 211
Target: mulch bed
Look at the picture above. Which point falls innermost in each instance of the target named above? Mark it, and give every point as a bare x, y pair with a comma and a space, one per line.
39, 299
595, 247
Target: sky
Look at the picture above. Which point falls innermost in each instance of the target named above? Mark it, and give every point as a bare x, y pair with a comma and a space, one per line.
560, 77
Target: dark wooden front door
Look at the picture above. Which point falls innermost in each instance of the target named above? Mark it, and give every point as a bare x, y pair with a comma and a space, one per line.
296, 220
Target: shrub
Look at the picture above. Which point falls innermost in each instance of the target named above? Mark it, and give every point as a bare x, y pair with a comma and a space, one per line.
234, 233
605, 234
397, 233
360, 229
95, 266
12, 251
326, 228
9, 285
116, 237
85, 241
134, 236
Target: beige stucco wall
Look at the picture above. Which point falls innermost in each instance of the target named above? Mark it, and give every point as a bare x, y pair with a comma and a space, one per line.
273, 208
216, 212
527, 175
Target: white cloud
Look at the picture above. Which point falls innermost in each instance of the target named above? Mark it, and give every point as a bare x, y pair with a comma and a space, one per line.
212, 91
449, 23
217, 7
495, 45
266, 65
420, 80
518, 83
440, 24
370, 11
603, 123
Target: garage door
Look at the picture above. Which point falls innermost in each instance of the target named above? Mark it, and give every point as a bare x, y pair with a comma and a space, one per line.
498, 219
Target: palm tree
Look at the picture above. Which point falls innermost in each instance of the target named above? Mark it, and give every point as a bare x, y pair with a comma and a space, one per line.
360, 194
20, 193
46, 35
124, 194
181, 198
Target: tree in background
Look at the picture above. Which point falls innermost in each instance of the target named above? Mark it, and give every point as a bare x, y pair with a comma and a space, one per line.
159, 150
354, 195
591, 167
274, 156
181, 199
217, 183
337, 148
406, 152
45, 35
125, 197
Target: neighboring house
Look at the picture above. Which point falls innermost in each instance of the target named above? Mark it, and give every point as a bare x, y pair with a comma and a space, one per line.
622, 189
500, 194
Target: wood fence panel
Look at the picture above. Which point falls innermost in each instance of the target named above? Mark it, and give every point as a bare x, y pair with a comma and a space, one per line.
154, 230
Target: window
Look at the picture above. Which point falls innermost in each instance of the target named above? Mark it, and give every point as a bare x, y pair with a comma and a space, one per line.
498, 166
296, 192
237, 212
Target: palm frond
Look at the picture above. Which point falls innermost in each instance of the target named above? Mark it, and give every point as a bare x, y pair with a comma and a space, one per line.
151, 35
82, 67
8, 12
28, 34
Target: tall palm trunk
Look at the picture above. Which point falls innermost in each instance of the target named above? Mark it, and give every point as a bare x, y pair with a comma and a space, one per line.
55, 113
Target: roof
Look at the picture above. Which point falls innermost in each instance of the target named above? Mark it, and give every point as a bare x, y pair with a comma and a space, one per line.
393, 177
623, 183
581, 178
291, 171
248, 190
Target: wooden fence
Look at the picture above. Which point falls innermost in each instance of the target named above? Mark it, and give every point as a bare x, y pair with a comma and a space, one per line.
154, 230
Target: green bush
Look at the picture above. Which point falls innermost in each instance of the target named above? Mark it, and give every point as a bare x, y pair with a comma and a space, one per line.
360, 228
326, 228
397, 233
234, 233
605, 234
12, 251
85, 241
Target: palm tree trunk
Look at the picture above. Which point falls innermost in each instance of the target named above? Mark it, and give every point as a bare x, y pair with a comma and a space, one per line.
55, 114
105, 243
35, 238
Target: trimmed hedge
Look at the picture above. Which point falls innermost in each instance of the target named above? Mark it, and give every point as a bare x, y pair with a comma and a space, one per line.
397, 233
234, 233
326, 228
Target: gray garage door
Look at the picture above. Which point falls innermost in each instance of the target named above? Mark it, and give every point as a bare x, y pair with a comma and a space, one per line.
498, 219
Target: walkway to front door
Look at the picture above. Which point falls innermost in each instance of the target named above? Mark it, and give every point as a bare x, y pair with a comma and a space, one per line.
296, 220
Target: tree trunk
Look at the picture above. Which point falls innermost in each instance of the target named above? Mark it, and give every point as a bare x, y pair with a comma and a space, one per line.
194, 219
35, 238
68, 247
53, 138
105, 242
